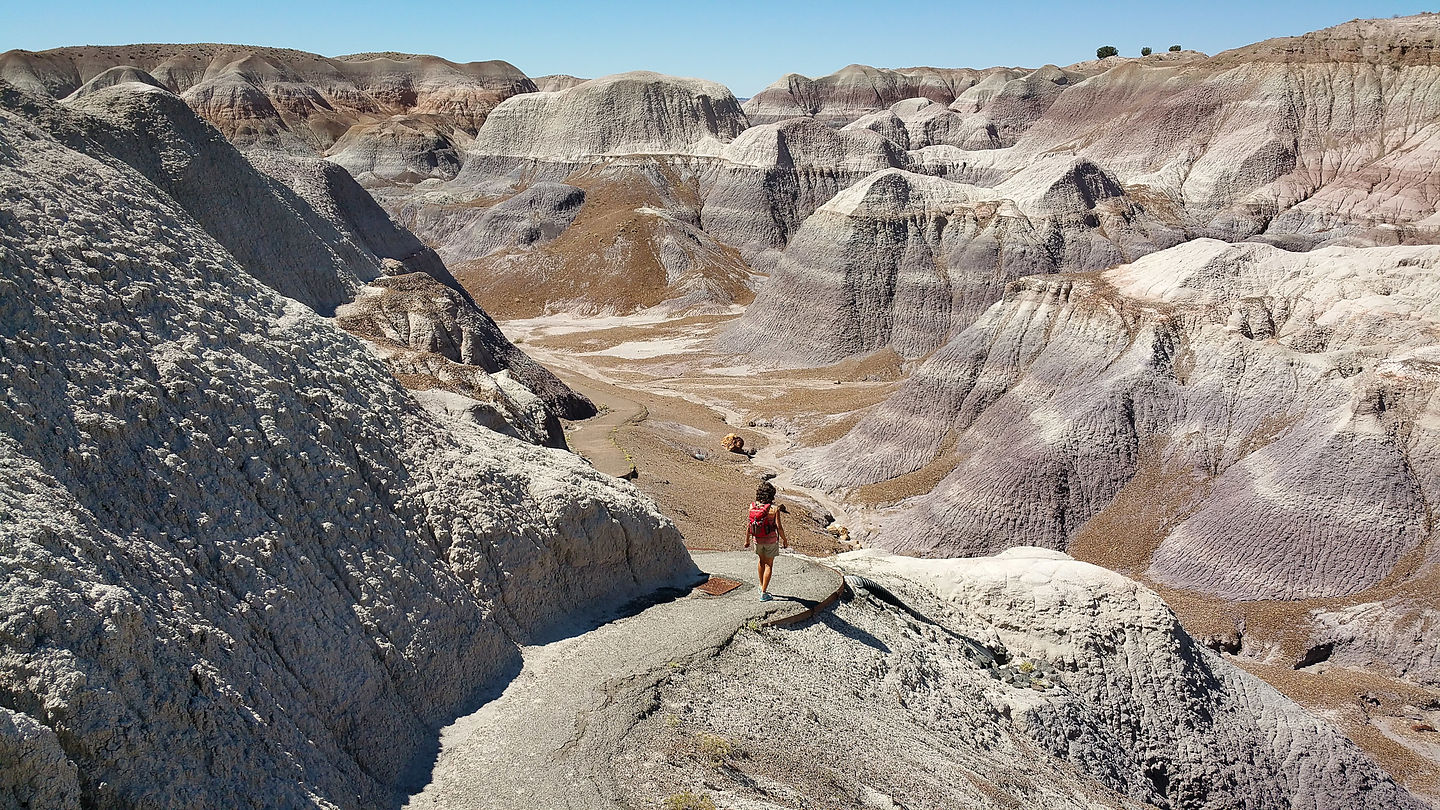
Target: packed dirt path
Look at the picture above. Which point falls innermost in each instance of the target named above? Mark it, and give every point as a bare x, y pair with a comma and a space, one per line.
594, 438
549, 739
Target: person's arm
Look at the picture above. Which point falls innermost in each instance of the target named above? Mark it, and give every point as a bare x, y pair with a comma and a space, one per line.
780, 528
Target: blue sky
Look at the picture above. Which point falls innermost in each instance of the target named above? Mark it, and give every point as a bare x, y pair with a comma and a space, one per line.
743, 44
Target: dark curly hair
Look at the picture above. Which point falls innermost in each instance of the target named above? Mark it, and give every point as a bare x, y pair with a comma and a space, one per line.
765, 493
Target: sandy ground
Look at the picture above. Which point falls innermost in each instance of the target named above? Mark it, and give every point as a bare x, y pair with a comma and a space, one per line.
667, 404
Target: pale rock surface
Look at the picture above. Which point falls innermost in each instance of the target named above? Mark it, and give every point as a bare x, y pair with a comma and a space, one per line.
857, 90
628, 113
402, 149
884, 122
434, 336
1001, 112
976, 96
240, 560
1311, 138
554, 83
774, 176
120, 74
901, 260
37, 773
297, 101
1400, 636
1275, 413
325, 236
302, 255
530, 218
332, 195
1133, 711
636, 144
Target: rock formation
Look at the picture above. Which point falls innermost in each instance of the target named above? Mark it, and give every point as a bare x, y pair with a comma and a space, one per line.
556, 82
1276, 408
407, 111
325, 235
857, 90
1312, 138
1130, 710
464, 232
434, 337
402, 149
635, 240
774, 176
900, 260
635, 243
239, 558
625, 114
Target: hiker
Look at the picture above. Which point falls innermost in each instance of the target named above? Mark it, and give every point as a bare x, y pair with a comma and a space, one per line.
767, 532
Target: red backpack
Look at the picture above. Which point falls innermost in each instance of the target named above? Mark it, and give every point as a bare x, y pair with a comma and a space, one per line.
762, 521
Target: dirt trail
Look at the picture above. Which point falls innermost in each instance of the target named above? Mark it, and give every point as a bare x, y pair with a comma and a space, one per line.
613, 444
549, 740
594, 438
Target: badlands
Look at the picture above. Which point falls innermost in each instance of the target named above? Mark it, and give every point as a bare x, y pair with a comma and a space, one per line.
364, 421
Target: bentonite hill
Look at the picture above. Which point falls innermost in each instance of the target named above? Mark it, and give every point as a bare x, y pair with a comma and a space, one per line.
365, 428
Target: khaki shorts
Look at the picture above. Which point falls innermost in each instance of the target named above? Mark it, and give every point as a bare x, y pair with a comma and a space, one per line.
768, 551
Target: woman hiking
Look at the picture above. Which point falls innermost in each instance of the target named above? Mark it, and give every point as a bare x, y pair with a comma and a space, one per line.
767, 532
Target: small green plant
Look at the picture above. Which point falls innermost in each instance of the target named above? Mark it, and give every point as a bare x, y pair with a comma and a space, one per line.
672, 720
689, 801
1145, 51
1026, 667
1174, 48
1106, 51
753, 625
713, 748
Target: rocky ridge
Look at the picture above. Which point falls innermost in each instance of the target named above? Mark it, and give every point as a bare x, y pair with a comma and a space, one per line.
1074, 388
240, 558
389, 117
1137, 713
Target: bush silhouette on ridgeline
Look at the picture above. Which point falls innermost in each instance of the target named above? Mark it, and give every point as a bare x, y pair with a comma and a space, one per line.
1145, 51
1105, 51
1174, 48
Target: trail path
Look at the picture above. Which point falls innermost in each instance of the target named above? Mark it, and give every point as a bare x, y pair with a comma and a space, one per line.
594, 437
547, 741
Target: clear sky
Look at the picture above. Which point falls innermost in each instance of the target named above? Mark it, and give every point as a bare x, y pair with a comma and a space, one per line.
742, 43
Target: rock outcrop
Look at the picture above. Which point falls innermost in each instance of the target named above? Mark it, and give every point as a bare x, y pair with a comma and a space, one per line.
239, 558
303, 256
387, 117
402, 149
1122, 707
435, 337
325, 236
625, 114
634, 243
857, 90
901, 260
1312, 138
556, 82
463, 232
774, 176
1273, 411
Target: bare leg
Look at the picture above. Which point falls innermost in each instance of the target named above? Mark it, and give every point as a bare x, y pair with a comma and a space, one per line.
766, 567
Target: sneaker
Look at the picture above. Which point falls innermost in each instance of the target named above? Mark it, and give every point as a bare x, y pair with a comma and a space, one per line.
765, 596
